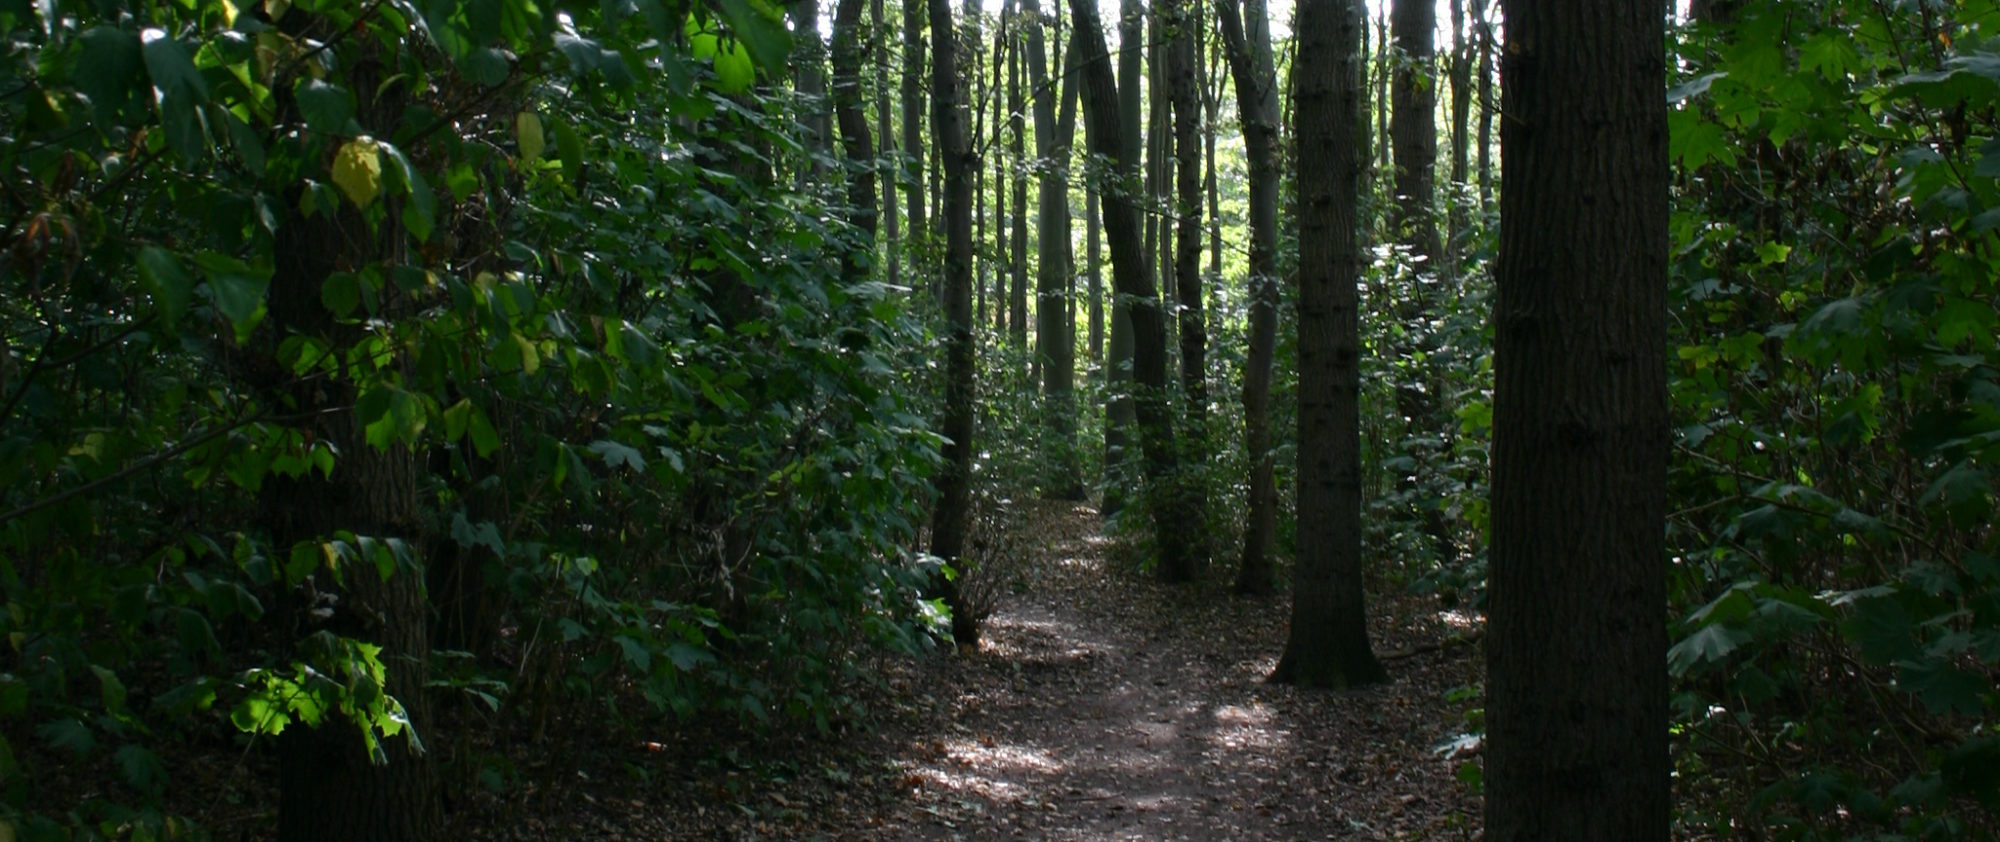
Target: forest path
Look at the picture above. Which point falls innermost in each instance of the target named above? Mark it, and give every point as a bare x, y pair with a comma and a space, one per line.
1102, 706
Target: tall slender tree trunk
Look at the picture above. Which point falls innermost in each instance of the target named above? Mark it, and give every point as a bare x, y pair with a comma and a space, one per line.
1483, 30
1055, 339
1413, 130
1250, 62
855, 139
1457, 220
1185, 96
1385, 60
1328, 645
1577, 685
809, 81
1093, 256
1123, 185
954, 507
887, 164
1017, 302
913, 113
1174, 527
1003, 267
1159, 168
975, 73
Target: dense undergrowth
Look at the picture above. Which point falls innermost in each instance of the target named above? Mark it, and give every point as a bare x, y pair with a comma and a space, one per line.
581, 277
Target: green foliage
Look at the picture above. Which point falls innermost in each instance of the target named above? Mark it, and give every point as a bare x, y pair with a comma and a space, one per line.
1833, 374
664, 454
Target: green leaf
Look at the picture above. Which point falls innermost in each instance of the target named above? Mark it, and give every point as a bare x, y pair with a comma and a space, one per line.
169, 284
528, 135
733, 71
760, 28
570, 146
238, 290
110, 689
485, 439
141, 769
340, 293
1965, 493
1711, 644
420, 210
615, 454
1973, 769
1942, 687
68, 734
182, 93
113, 72
326, 107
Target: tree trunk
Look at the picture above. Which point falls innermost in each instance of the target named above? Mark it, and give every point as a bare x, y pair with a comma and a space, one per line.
1484, 32
1017, 301
1461, 143
1577, 684
976, 74
1328, 645
328, 788
1251, 64
1055, 340
1413, 130
1174, 527
913, 113
1123, 184
855, 140
1003, 268
1385, 62
954, 507
1185, 96
887, 166
1093, 255
809, 75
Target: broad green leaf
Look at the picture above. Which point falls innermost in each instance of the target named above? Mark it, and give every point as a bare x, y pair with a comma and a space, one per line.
485, 439
340, 293
182, 93
170, 285
357, 171
1710, 644
68, 734
570, 147
615, 454
141, 769
420, 210
326, 107
114, 71
238, 290
110, 690
528, 135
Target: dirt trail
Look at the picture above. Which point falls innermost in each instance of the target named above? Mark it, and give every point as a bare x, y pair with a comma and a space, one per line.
1103, 707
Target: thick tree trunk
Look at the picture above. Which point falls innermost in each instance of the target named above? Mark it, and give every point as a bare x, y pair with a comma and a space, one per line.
1328, 645
328, 788
1175, 528
855, 140
1055, 338
1251, 64
1577, 683
954, 508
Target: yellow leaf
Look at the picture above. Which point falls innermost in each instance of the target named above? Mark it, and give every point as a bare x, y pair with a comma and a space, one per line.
357, 171
528, 133
531, 362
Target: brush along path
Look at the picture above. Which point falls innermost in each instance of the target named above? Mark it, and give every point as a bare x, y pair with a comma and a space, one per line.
1101, 706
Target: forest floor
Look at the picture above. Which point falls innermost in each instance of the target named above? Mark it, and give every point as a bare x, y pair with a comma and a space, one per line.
1099, 706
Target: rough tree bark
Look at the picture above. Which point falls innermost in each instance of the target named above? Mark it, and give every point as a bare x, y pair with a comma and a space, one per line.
1017, 148
855, 139
1328, 645
1413, 130
1173, 525
1250, 63
1055, 337
913, 113
1118, 412
887, 168
1185, 98
954, 508
1577, 684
